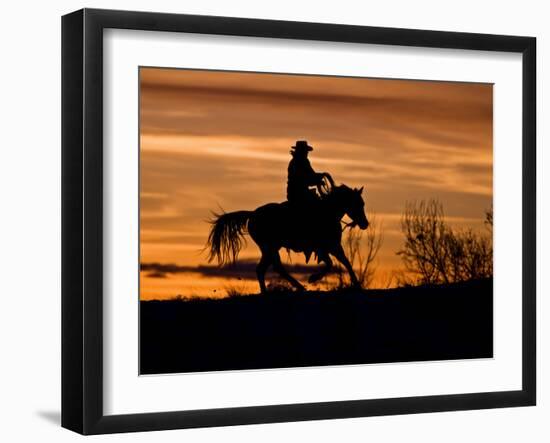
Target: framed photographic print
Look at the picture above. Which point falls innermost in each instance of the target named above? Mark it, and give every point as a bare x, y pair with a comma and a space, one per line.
269, 221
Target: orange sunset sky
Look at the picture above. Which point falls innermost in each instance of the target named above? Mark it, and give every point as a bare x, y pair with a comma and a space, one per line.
212, 139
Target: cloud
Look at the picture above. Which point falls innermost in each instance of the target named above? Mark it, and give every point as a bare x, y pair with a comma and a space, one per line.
243, 269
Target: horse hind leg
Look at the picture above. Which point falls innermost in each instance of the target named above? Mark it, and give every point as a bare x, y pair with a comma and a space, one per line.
278, 266
326, 269
261, 270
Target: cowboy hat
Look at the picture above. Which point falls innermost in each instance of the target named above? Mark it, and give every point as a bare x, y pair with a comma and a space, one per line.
301, 145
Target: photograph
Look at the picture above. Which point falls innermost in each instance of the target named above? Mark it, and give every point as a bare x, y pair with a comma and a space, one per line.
291, 220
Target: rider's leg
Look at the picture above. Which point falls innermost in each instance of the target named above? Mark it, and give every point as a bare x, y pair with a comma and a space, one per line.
278, 266
341, 256
319, 275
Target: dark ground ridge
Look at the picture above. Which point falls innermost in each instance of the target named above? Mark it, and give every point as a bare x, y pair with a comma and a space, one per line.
289, 329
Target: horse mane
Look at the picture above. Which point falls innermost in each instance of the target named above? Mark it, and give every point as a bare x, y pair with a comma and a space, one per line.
342, 187
337, 193
334, 191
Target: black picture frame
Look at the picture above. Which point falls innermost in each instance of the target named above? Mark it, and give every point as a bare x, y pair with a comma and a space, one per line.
82, 219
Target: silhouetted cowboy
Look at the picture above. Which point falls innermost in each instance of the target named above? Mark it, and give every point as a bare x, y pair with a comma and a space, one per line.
301, 176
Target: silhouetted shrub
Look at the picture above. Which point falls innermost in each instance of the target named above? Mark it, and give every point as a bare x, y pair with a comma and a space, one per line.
434, 252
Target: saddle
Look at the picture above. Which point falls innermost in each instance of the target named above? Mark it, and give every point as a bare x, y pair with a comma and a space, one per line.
305, 226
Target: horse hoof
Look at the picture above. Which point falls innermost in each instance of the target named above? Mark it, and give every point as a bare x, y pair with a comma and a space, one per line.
313, 279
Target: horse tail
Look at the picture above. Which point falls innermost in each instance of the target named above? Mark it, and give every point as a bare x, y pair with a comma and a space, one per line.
226, 237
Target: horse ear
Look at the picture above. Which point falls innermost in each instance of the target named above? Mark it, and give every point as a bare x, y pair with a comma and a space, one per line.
360, 190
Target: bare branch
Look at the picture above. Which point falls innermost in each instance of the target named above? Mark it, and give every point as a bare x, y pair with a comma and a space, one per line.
362, 251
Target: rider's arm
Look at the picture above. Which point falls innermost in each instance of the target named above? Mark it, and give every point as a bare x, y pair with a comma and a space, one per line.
313, 178
329, 178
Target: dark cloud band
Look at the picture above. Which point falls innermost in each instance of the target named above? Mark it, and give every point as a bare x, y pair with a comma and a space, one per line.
244, 269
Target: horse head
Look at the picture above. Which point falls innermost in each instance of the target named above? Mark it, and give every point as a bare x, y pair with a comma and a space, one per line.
350, 202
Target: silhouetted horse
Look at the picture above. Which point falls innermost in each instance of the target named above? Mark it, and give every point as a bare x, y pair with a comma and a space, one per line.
280, 225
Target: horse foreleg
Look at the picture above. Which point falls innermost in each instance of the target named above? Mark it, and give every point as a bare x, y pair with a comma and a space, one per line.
319, 275
261, 270
341, 256
278, 266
